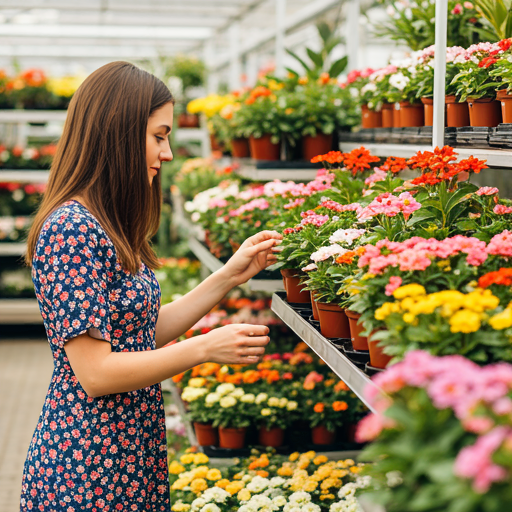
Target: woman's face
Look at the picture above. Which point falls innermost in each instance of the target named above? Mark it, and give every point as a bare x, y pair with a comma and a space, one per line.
158, 149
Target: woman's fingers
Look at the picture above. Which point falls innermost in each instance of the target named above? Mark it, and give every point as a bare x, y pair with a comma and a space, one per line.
256, 341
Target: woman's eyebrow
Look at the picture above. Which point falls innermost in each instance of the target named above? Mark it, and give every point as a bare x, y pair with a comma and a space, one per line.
167, 128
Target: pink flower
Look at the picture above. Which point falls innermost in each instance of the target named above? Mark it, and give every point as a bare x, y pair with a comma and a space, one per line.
475, 462
501, 209
260, 204
292, 204
412, 259
457, 9
314, 219
394, 283
487, 191
217, 203
308, 268
468, 5
325, 253
501, 244
377, 176
390, 205
369, 428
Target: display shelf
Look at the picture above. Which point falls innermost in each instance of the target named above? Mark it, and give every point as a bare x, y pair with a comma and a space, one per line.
23, 176
19, 311
32, 116
251, 172
191, 134
12, 249
354, 378
501, 158
213, 264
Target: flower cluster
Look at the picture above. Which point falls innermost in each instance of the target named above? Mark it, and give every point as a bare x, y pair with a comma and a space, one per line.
390, 205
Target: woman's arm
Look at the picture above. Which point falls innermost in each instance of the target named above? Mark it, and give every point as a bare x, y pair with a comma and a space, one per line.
177, 317
103, 372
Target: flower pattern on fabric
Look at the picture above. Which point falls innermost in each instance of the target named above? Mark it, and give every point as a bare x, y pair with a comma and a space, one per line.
97, 454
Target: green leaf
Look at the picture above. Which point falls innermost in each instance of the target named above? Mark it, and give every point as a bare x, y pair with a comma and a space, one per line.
324, 30
338, 66
296, 57
316, 58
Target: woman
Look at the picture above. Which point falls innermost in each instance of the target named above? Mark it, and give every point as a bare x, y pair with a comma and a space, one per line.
100, 440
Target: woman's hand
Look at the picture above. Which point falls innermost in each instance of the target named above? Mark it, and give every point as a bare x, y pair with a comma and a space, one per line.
236, 344
254, 255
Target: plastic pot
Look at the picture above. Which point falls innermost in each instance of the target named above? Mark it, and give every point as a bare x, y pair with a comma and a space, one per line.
333, 321
294, 290
206, 434
240, 148
457, 114
320, 435
313, 146
233, 438
271, 437
387, 115
358, 342
484, 112
371, 118
411, 114
264, 149
377, 357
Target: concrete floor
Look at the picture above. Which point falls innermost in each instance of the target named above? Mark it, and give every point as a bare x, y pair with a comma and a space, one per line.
25, 370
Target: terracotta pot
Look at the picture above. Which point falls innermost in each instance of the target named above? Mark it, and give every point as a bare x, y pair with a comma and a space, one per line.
506, 105
313, 146
457, 114
233, 438
371, 118
273, 437
206, 434
377, 357
387, 115
186, 120
396, 115
411, 114
240, 148
484, 112
428, 109
294, 291
333, 321
264, 149
320, 435
358, 342
314, 307
214, 143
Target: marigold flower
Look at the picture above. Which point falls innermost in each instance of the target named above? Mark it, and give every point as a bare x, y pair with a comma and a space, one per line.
319, 407
394, 164
340, 406
198, 485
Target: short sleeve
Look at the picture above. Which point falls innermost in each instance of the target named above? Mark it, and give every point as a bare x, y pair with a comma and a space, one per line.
72, 266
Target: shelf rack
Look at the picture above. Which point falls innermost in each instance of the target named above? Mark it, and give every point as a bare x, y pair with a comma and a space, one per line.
213, 264
249, 170
354, 378
32, 116
501, 158
23, 176
12, 249
19, 311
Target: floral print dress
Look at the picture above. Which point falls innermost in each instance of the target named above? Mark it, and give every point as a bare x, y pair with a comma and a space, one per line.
97, 454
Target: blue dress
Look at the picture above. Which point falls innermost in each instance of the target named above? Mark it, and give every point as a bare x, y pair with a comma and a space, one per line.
96, 454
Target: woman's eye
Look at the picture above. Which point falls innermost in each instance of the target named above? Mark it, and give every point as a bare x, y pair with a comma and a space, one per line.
159, 138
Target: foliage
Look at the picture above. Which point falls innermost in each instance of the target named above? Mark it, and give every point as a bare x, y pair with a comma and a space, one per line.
498, 18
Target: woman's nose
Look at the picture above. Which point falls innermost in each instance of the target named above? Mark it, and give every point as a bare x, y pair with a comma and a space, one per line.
166, 156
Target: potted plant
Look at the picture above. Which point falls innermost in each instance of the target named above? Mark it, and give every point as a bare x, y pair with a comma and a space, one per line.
201, 411
275, 415
476, 84
503, 71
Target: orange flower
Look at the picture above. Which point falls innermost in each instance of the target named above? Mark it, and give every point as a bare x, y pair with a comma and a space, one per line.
340, 406
273, 376
341, 386
394, 164
262, 473
189, 333
235, 378
333, 157
207, 369
502, 277
251, 376
319, 407
346, 258
301, 357
359, 160
300, 347
324, 78
178, 378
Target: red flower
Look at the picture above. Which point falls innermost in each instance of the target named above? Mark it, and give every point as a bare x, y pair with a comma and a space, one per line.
505, 44
486, 62
394, 164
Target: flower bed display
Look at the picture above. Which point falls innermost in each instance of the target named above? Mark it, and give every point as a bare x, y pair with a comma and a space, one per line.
358, 235
29, 158
303, 481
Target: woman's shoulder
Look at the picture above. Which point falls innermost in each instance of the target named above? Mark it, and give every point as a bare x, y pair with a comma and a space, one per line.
72, 223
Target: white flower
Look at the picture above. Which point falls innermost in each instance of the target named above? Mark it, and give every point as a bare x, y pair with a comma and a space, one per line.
337, 102
300, 498
399, 81
246, 478
311, 507
237, 393
225, 388
311, 266
262, 397
4, 156
191, 394
211, 507
216, 494
248, 398
369, 87
212, 398
29, 154
390, 10
292, 405
227, 401
283, 402
18, 195
279, 501
326, 252
346, 235
273, 401
277, 481
197, 504
394, 478
195, 216
257, 484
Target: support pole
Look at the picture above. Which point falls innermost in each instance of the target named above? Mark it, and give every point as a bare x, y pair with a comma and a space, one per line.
352, 33
251, 69
234, 56
440, 73
280, 32
212, 79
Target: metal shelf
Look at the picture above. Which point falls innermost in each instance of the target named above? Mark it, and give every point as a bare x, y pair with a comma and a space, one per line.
12, 249
32, 116
19, 311
501, 158
191, 134
250, 172
23, 176
213, 264
354, 378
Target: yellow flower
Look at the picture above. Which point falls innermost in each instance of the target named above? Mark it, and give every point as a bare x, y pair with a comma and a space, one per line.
238, 476
175, 468
180, 484
197, 382
200, 472
273, 401
188, 458
355, 469
310, 486
303, 464
198, 485
201, 458
275, 86
339, 473
289, 111
330, 482
180, 507
465, 321
320, 459
386, 309
285, 471
327, 497
234, 487
303, 80
213, 474
244, 495
502, 320
324, 472
310, 455
223, 483
409, 290
294, 456
409, 318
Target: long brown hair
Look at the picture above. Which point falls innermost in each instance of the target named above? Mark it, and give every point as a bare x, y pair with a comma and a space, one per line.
102, 157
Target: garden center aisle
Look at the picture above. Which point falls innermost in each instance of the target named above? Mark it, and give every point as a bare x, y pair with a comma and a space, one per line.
25, 372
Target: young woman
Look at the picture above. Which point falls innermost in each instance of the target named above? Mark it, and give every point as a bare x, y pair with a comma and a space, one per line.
100, 441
